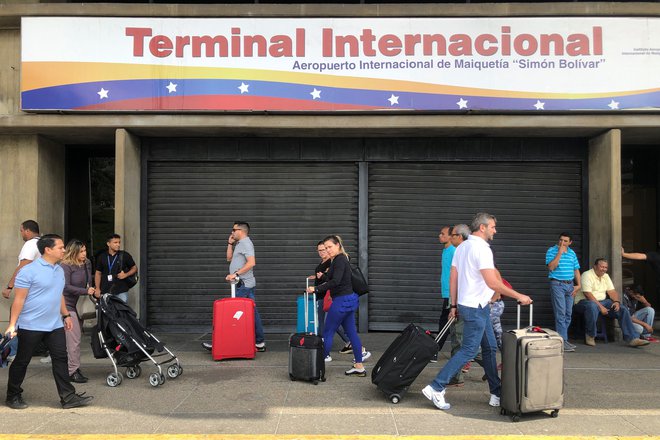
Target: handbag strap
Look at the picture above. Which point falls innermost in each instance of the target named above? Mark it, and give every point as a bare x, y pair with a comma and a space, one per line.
86, 274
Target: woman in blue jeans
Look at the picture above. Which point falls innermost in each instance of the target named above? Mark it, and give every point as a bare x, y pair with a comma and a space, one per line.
344, 302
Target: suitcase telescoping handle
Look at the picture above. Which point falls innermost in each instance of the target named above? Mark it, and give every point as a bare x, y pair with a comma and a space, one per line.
233, 286
445, 329
531, 309
306, 305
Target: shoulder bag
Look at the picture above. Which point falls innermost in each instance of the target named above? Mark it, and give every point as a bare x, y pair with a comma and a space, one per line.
360, 285
85, 307
132, 280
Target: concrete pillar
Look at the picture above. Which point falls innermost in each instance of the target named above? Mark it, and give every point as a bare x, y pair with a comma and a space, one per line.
32, 170
605, 202
127, 200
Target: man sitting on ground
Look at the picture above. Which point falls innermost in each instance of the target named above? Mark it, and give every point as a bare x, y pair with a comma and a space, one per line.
642, 314
598, 296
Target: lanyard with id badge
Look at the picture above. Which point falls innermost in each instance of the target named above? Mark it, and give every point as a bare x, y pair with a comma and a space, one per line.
110, 279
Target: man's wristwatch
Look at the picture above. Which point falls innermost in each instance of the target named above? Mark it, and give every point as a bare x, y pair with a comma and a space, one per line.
66, 316
453, 307
10, 287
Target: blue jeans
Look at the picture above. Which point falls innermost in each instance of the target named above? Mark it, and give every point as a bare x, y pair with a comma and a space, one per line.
477, 330
248, 292
122, 296
590, 311
561, 295
342, 312
647, 315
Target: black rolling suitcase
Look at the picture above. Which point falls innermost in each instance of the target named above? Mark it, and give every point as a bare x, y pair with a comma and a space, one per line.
532, 370
405, 359
306, 361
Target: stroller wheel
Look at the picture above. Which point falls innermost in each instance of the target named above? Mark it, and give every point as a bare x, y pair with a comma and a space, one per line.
173, 371
113, 379
133, 372
161, 379
154, 379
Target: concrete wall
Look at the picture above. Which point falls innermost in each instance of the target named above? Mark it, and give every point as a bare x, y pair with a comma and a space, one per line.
10, 68
127, 200
605, 202
32, 188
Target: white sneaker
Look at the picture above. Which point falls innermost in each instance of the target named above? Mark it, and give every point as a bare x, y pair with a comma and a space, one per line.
437, 397
328, 358
365, 355
45, 360
494, 400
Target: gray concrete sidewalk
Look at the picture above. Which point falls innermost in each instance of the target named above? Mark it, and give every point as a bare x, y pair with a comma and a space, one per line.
611, 390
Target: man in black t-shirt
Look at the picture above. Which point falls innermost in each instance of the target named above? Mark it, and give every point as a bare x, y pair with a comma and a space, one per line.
112, 268
653, 258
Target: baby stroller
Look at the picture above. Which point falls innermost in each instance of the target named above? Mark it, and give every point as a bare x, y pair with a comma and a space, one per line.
122, 338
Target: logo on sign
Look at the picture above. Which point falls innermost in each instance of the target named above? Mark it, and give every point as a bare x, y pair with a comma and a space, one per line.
238, 315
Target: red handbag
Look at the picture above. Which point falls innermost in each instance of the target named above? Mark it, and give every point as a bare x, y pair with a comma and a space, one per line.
327, 301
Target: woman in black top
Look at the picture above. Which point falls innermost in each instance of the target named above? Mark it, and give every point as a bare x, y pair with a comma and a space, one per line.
320, 278
345, 302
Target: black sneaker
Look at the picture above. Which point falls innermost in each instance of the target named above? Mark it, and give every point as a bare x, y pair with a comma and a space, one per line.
77, 377
81, 373
346, 349
16, 402
207, 346
77, 400
434, 358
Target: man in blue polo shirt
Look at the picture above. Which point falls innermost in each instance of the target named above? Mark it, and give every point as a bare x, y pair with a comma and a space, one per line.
564, 274
447, 255
38, 314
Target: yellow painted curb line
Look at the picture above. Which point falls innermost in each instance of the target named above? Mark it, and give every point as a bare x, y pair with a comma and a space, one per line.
311, 437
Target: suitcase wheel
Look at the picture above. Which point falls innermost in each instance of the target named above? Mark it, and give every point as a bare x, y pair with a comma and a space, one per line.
554, 414
315, 382
395, 398
502, 412
515, 418
291, 377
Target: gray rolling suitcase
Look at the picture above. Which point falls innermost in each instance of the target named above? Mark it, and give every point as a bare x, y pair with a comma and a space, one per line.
532, 370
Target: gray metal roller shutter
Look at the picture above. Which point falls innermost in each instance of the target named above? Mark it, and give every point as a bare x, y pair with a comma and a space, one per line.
191, 207
408, 202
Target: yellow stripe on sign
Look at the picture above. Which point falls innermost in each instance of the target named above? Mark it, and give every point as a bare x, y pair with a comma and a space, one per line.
312, 437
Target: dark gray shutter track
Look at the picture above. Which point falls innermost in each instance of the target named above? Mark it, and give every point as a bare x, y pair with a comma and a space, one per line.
408, 202
191, 207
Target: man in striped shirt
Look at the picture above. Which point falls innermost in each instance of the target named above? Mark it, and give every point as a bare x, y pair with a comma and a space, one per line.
564, 274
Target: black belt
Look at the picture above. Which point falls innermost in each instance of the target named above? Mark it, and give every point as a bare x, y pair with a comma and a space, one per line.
562, 281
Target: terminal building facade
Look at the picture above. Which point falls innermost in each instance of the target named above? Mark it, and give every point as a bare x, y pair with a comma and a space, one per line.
378, 122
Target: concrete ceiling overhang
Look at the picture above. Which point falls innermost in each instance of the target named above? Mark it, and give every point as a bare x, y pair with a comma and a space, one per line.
100, 128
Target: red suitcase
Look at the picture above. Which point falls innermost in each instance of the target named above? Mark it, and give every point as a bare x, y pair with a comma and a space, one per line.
233, 328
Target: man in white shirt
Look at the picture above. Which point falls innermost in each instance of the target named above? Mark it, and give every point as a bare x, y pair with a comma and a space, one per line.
29, 252
473, 281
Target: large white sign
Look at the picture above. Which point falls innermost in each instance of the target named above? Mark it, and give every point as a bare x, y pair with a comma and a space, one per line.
340, 64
